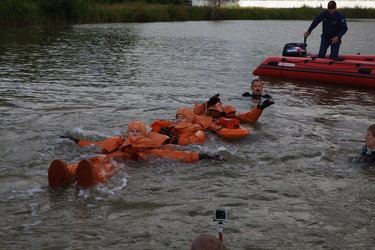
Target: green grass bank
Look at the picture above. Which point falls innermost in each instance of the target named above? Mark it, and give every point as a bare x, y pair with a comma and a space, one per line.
31, 12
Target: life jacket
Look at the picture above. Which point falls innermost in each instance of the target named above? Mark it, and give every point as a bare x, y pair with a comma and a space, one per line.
203, 109
188, 133
142, 148
229, 111
228, 128
159, 124
183, 133
203, 120
230, 123
149, 140
184, 129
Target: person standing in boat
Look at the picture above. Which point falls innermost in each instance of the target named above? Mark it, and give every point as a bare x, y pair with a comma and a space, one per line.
334, 28
257, 91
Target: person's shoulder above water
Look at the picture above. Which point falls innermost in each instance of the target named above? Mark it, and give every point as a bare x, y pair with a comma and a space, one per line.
266, 96
367, 155
258, 97
247, 94
368, 151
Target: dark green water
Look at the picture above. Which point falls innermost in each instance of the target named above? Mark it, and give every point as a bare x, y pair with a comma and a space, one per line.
287, 185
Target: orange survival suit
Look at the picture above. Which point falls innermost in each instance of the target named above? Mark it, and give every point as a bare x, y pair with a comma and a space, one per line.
226, 122
227, 112
100, 168
183, 133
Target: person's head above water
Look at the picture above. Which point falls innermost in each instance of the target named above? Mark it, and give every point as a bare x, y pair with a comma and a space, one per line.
184, 115
136, 128
207, 242
370, 137
257, 86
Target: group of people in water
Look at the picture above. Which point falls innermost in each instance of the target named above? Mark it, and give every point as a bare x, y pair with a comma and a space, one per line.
190, 126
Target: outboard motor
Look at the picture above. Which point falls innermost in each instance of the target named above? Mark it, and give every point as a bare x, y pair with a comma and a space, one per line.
295, 49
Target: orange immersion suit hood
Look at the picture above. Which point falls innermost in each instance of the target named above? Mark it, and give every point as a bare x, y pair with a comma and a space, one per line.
137, 125
188, 113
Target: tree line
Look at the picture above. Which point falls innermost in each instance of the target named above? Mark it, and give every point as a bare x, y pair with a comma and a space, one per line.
35, 12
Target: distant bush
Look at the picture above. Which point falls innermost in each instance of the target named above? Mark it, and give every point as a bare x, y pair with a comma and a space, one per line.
21, 12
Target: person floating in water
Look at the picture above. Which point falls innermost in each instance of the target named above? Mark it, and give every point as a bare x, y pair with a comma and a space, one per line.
256, 87
214, 108
188, 128
136, 145
225, 121
368, 150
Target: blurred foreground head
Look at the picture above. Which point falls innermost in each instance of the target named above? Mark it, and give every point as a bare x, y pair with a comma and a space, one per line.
370, 137
207, 242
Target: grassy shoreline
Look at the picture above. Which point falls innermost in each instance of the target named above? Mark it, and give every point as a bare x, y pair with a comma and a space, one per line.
32, 12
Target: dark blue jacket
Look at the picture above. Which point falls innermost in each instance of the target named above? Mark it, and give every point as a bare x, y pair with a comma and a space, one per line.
332, 26
256, 97
366, 156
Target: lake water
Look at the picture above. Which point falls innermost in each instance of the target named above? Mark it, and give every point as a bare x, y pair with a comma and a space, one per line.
290, 184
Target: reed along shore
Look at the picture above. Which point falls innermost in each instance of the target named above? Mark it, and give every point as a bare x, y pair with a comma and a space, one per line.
36, 12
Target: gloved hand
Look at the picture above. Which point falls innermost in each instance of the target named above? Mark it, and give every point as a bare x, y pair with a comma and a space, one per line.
266, 103
70, 137
166, 131
213, 100
213, 157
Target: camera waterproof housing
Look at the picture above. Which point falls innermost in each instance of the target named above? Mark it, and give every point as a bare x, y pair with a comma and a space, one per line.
220, 215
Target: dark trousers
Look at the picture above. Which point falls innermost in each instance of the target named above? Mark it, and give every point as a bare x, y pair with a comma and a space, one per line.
324, 44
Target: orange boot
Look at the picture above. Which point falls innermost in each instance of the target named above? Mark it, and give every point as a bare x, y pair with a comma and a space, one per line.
85, 174
97, 169
59, 174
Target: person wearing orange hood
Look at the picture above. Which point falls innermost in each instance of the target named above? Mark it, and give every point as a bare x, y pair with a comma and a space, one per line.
188, 128
146, 145
213, 107
137, 145
226, 123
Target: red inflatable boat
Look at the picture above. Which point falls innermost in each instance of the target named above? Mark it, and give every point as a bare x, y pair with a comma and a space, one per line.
351, 70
